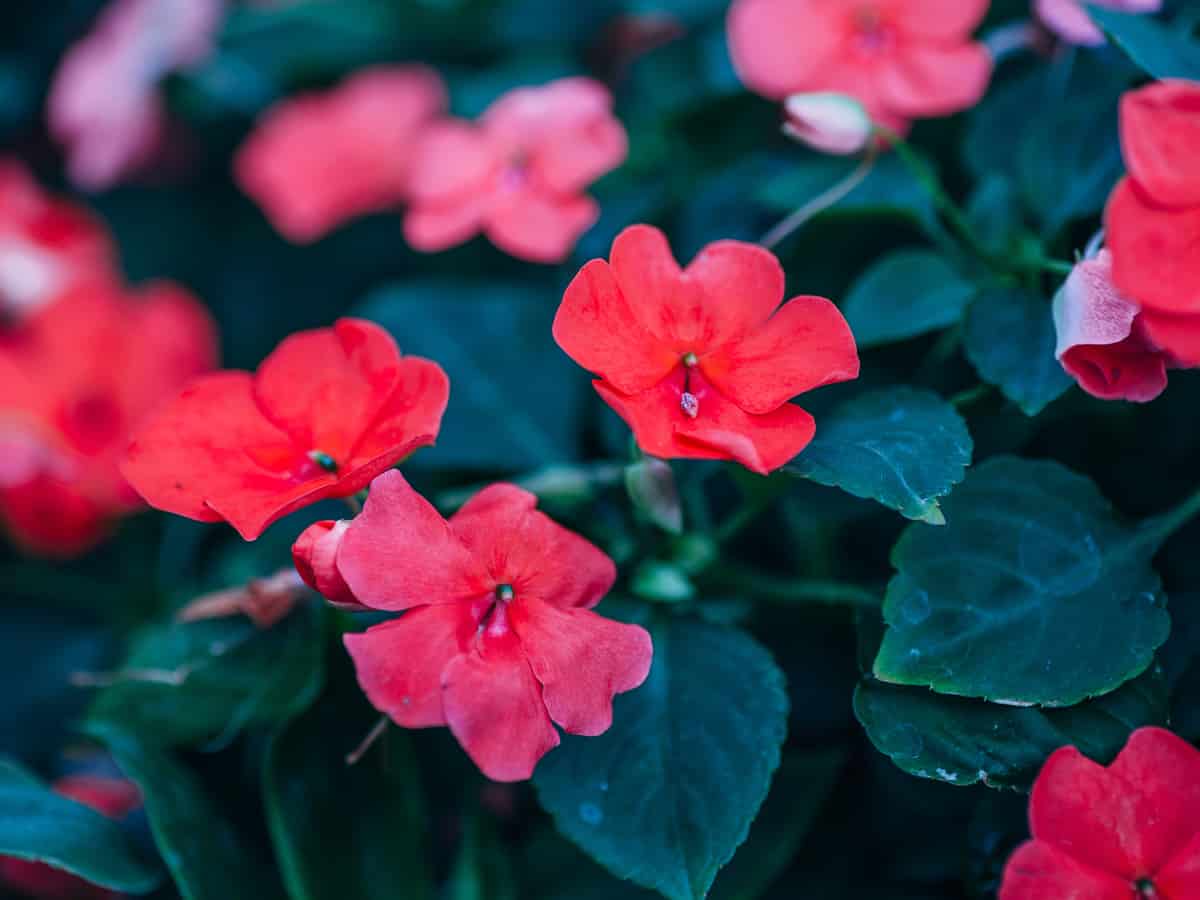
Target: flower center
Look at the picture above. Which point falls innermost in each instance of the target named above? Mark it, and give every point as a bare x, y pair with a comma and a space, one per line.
871, 35
323, 460
1145, 889
504, 593
92, 422
688, 402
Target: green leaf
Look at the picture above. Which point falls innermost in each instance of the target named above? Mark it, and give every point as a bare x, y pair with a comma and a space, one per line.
188, 683
667, 794
39, 825
490, 337
345, 831
483, 868
1033, 593
207, 858
907, 293
963, 741
1009, 339
900, 446
1160, 51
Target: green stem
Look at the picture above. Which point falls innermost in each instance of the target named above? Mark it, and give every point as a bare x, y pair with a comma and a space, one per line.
745, 514
970, 395
1157, 529
1042, 264
796, 590
822, 201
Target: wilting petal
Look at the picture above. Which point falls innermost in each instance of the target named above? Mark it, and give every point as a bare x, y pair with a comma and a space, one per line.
1160, 138
1041, 871
582, 660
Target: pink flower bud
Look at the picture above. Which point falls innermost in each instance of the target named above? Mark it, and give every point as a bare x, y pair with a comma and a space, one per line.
831, 123
315, 556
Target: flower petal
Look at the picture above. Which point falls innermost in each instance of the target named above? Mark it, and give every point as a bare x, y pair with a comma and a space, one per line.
780, 47
1131, 370
568, 162
494, 707
315, 556
927, 80
399, 552
1041, 871
433, 227
805, 345
1160, 138
1181, 876
582, 660
934, 20
411, 418
399, 663
596, 327
540, 227
1155, 250
1178, 336
453, 158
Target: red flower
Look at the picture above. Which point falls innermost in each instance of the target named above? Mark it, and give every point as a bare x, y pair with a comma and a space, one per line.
326, 412
47, 245
902, 59
111, 797
498, 641
75, 379
1101, 340
518, 175
701, 362
316, 160
1131, 830
1153, 215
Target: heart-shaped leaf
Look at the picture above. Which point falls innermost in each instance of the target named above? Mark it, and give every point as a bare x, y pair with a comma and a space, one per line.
905, 294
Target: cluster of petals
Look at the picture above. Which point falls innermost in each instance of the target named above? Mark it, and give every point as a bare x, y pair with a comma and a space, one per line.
111, 797
701, 362
317, 160
47, 244
104, 105
327, 411
497, 639
1152, 220
1102, 343
77, 376
901, 59
1128, 830
518, 174
1070, 21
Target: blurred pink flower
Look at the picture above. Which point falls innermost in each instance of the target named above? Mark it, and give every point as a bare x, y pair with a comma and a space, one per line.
831, 123
1070, 21
104, 104
517, 174
319, 159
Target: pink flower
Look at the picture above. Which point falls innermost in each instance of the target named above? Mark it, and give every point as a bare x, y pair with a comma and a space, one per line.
902, 59
316, 160
518, 174
498, 641
104, 103
1070, 21
1101, 340
831, 123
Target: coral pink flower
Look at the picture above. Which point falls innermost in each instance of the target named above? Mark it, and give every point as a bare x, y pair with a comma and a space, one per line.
1128, 831
1153, 215
47, 245
701, 362
1070, 21
76, 378
902, 59
326, 412
104, 103
317, 160
519, 173
498, 641
1101, 342
111, 797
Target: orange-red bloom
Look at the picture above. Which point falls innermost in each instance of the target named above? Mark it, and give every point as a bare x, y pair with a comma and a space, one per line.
326, 412
902, 59
1128, 831
1153, 215
317, 160
111, 797
47, 245
701, 362
76, 378
519, 174
498, 641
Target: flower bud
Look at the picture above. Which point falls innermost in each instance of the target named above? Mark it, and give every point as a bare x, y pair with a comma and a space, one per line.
315, 556
831, 123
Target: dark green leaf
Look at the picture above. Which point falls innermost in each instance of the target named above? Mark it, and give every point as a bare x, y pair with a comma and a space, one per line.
345, 831
907, 293
38, 824
902, 447
483, 868
667, 794
1160, 51
1009, 339
188, 683
489, 337
1033, 593
964, 741
207, 858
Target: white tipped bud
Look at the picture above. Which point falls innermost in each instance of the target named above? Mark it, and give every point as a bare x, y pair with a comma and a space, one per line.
831, 123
